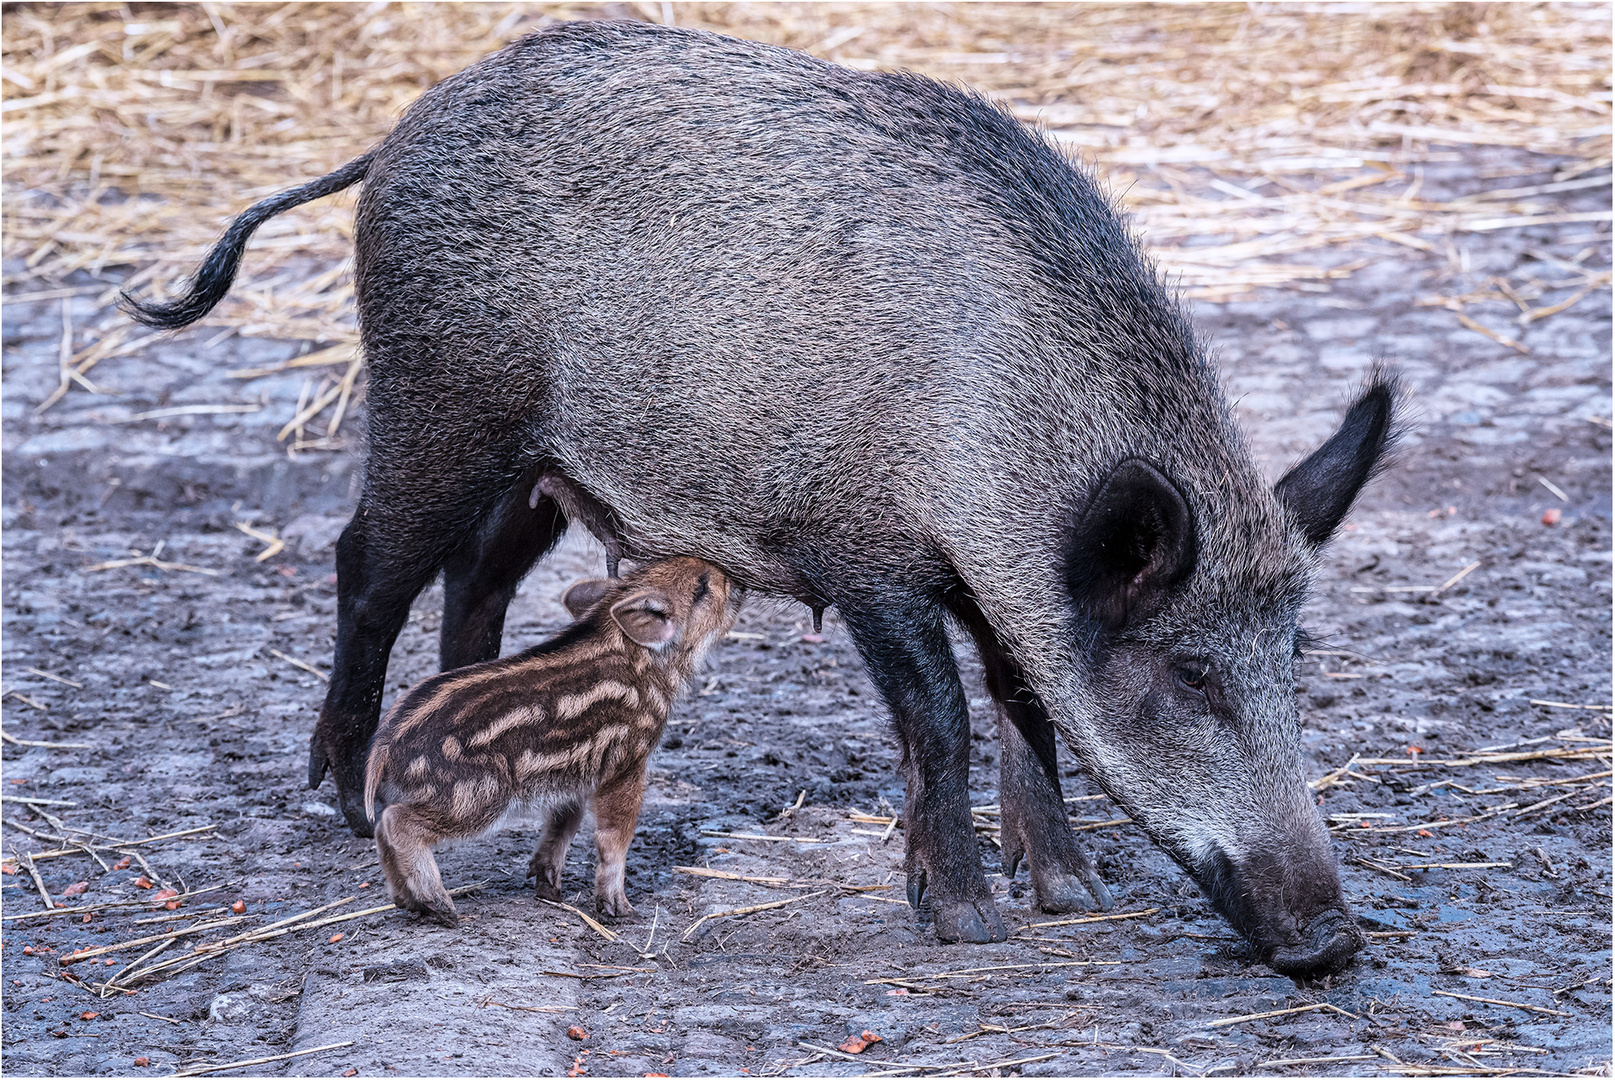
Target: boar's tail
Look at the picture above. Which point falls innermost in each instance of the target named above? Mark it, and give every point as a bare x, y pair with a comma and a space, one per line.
218, 270
372, 776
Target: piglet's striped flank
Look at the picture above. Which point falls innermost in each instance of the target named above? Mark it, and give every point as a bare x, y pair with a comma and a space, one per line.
566, 724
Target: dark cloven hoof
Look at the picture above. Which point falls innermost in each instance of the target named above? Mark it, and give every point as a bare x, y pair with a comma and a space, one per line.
974, 924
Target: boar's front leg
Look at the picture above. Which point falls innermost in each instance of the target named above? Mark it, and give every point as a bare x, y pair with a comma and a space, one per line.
1035, 827
481, 575
904, 643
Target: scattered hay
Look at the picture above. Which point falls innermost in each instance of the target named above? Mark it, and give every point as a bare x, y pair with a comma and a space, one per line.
1239, 136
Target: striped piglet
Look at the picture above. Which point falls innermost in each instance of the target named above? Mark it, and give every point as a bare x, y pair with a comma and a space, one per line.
567, 722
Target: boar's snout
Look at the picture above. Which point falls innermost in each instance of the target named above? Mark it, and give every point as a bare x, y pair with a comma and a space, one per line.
1327, 943
1292, 911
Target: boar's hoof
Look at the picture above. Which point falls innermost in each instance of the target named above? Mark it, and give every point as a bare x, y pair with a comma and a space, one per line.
916, 888
1014, 852
316, 763
1099, 891
352, 803
1076, 886
1058, 893
547, 890
975, 922
1331, 940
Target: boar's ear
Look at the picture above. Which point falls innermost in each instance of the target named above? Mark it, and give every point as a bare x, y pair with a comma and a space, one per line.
1318, 492
1133, 542
646, 616
585, 595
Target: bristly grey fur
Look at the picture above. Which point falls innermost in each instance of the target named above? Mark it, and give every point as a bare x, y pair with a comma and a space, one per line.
861, 339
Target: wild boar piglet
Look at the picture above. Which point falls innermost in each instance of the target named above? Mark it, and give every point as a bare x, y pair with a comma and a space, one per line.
567, 723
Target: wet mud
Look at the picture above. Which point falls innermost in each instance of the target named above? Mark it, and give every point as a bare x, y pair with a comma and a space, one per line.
160, 679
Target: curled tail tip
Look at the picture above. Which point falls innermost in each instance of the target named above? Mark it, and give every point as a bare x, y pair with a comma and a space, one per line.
155, 315
218, 270
202, 294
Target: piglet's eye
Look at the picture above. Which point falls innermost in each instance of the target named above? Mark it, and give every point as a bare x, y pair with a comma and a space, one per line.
1193, 678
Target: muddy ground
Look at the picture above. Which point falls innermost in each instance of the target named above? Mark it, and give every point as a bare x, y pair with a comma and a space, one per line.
181, 703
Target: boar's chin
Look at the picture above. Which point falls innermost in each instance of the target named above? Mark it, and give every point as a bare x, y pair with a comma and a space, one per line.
1301, 928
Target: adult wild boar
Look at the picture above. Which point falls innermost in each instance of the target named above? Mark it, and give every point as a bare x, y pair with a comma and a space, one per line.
861, 339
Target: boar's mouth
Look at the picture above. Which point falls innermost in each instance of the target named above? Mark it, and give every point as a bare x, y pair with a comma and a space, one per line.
1301, 928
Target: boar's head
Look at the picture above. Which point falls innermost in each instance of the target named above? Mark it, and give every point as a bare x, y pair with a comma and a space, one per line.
1186, 605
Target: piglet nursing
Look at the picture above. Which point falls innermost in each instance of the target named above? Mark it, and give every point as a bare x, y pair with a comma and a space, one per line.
570, 721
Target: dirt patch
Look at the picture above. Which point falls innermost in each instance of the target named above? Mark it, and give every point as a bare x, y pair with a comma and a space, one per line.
191, 713
162, 678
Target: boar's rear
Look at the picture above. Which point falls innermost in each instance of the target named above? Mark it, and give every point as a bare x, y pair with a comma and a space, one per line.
861, 339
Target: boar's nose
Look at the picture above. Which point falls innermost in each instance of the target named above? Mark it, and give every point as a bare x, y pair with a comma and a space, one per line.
1299, 935
1331, 939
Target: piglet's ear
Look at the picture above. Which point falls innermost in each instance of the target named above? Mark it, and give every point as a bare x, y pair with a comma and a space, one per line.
1318, 492
585, 595
1134, 541
646, 616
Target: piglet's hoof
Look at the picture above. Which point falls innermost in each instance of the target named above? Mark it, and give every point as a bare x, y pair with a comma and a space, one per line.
447, 916
976, 923
438, 911
617, 906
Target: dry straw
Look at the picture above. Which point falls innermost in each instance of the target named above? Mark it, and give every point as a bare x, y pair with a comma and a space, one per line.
1241, 137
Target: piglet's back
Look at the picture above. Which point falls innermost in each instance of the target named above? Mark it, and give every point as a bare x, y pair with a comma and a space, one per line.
564, 714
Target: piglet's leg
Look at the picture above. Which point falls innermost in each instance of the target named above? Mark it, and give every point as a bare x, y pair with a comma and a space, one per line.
616, 814
405, 843
560, 826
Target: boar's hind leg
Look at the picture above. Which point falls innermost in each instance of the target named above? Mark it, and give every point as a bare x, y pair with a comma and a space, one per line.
481, 575
905, 646
410, 516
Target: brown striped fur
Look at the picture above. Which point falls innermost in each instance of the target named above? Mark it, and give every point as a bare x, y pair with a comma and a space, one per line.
565, 724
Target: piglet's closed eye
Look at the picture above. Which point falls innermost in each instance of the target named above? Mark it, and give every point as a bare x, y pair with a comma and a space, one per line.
646, 616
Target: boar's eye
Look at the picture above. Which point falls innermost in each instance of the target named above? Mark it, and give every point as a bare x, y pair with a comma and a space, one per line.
1193, 677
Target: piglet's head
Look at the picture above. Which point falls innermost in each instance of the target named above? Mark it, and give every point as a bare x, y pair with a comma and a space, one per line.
678, 606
